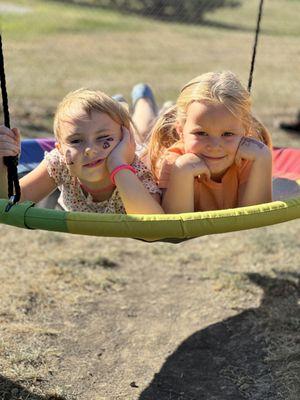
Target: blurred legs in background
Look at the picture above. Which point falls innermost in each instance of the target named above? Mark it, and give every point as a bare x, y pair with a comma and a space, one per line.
144, 109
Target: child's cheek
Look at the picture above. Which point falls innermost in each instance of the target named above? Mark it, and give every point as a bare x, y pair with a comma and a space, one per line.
191, 146
69, 157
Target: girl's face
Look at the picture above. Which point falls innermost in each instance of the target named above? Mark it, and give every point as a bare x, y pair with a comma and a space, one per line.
85, 142
213, 133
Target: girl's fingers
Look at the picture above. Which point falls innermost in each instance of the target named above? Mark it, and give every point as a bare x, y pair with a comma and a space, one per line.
9, 136
8, 139
17, 134
9, 149
127, 135
8, 153
4, 131
238, 161
8, 142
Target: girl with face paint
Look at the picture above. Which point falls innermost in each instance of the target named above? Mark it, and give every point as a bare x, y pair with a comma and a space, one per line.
94, 163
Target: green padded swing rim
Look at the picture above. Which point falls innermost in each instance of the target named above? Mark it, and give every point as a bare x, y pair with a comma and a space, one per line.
172, 227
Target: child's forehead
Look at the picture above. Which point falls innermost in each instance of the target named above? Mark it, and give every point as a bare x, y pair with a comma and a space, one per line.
203, 111
83, 123
82, 118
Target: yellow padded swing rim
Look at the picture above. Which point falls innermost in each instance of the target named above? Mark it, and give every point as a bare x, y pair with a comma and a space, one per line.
172, 227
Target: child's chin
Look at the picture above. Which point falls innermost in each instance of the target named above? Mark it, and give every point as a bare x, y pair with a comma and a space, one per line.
96, 177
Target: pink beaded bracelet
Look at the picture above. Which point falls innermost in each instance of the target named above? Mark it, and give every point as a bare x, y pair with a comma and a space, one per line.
119, 168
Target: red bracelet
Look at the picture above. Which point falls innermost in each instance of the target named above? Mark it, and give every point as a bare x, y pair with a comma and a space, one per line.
119, 168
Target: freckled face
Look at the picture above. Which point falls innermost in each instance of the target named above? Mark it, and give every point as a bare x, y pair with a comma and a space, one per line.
86, 141
213, 133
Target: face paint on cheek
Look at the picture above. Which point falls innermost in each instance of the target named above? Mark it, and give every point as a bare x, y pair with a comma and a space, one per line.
68, 157
106, 145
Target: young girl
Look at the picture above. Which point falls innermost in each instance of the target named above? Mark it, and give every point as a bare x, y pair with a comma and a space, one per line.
94, 163
208, 151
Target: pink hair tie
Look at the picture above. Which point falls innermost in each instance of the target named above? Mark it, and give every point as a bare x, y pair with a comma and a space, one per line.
119, 168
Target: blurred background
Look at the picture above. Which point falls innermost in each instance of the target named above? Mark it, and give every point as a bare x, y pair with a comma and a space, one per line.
53, 47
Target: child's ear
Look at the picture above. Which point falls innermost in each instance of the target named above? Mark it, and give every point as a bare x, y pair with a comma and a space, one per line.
58, 147
179, 129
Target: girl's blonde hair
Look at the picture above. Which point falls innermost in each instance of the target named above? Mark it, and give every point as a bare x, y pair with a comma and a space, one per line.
215, 87
86, 100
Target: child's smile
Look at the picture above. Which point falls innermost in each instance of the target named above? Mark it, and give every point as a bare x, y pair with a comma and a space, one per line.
94, 163
213, 133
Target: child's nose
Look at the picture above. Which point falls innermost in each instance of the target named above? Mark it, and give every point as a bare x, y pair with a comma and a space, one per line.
214, 142
90, 148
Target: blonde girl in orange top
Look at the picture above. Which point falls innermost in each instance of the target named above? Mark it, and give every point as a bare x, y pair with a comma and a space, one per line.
208, 151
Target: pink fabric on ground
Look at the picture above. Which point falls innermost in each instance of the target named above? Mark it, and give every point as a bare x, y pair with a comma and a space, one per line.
286, 163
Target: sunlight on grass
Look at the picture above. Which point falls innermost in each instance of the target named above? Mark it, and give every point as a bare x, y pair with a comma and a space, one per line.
45, 18
279, 18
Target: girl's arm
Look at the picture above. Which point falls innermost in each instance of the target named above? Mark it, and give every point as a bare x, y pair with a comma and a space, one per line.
37, 184
134, 195
179, 195
258, 188
34, 186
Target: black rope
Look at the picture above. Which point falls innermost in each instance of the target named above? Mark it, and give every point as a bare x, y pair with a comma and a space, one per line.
14, 191
255, 44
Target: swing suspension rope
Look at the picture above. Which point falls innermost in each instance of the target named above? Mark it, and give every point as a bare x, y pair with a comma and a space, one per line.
14, 191
257, 32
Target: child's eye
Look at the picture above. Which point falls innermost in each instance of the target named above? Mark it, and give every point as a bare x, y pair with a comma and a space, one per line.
226, 134
201, 133
101, 138
75, 141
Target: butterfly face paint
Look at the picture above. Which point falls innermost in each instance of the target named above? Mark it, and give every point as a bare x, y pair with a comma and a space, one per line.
69, 158
106, 144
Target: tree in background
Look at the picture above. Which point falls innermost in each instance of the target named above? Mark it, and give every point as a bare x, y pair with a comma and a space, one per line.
174, 10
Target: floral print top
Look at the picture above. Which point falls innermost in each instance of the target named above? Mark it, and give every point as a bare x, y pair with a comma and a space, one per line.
73, 198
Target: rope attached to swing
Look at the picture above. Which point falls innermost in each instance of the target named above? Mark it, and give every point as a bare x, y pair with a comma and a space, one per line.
257, 31
14, 191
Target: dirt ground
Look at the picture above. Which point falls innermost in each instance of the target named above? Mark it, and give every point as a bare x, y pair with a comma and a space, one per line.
98, 318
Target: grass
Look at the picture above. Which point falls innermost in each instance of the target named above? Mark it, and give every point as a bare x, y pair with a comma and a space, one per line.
58, 47
85, 318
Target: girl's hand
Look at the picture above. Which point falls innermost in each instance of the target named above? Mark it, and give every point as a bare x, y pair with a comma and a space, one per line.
251, 149
9, 141
124, 152
192, 165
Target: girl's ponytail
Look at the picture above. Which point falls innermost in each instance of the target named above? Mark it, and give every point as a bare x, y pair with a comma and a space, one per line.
163, 136
260, 132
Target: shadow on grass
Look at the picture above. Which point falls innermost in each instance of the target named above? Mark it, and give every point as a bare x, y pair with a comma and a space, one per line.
238, 357
176, 18
10, 390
